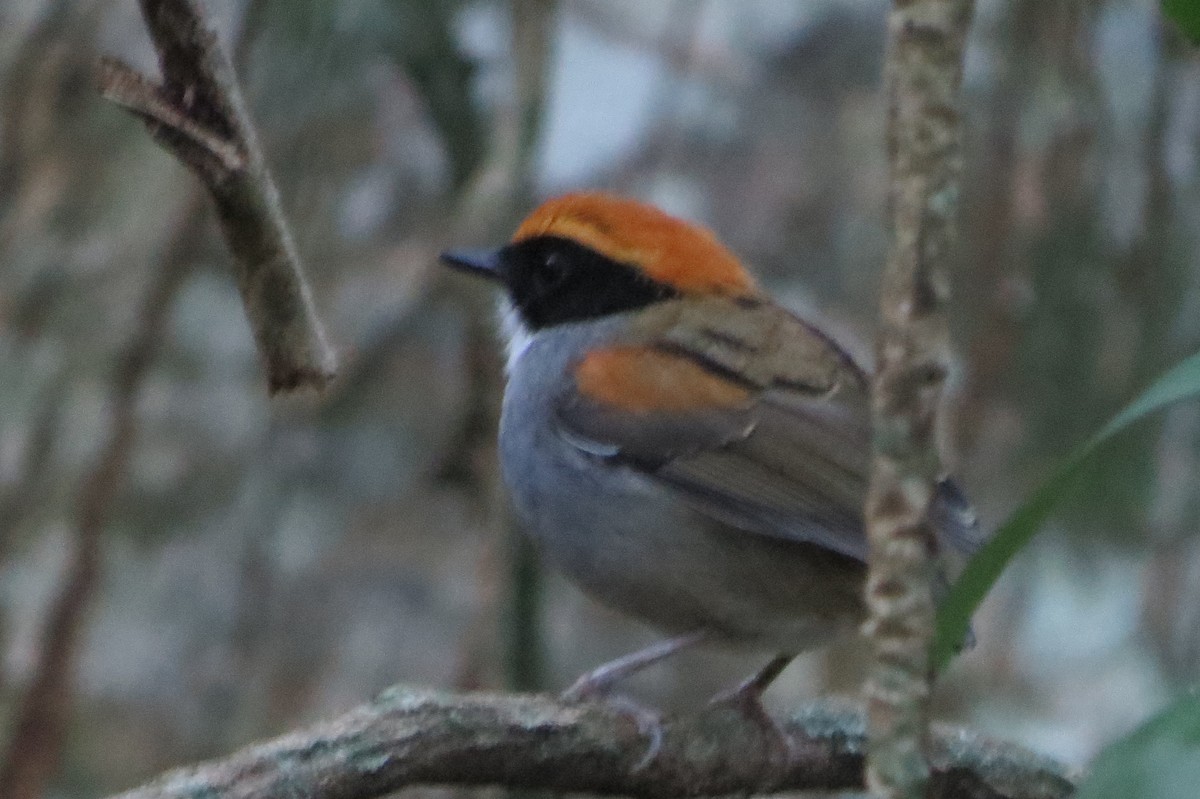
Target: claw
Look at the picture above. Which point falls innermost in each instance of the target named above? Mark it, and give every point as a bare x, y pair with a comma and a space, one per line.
649, 722
597, 686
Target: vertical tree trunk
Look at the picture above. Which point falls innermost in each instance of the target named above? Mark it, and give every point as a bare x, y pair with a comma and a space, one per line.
923, 72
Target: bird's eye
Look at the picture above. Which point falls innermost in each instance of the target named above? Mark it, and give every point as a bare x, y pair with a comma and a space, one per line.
551, 272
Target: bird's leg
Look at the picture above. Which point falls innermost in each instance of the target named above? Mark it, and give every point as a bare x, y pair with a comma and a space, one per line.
751, 690
599, 681
746, 700
598, 684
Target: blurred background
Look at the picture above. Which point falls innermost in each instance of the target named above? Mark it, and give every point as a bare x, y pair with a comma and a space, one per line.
187, 565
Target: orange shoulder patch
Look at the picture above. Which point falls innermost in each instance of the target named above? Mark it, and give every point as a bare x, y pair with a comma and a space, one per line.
640, 379
686, 256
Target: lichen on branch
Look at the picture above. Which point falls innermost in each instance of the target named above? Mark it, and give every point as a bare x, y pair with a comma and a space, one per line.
923, 72
410, 737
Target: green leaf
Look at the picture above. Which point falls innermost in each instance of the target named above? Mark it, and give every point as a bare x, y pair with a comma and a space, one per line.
1185, 14
1161, 760
954, 615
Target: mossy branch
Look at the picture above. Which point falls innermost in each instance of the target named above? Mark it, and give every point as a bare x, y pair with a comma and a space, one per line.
411, 736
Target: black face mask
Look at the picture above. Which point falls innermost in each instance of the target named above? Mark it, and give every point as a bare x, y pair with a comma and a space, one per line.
554, 280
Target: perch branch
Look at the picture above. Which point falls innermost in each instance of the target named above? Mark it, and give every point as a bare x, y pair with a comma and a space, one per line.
412, 737
198, 115
923, 73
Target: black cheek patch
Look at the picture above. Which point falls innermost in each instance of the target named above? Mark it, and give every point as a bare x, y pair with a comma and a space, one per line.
554, 281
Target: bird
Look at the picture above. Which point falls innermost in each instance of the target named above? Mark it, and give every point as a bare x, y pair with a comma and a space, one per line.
685, 449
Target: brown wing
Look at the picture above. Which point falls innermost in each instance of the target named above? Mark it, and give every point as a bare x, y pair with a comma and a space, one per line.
752, 416
800, 474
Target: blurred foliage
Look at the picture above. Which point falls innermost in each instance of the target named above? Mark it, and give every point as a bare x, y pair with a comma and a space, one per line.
1180, 383
1161, 760
271, 563
415, 35
1185, 14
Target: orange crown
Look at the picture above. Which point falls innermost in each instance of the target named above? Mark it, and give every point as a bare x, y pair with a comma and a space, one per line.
669, 250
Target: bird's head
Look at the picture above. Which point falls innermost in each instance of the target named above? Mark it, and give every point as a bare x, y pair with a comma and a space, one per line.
588, 255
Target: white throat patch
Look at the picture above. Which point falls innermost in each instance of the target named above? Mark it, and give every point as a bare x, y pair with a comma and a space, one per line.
516, 336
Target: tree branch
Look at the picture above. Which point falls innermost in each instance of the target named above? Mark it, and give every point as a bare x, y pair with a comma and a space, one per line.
197, 114
412, 737
206, 151
923, 73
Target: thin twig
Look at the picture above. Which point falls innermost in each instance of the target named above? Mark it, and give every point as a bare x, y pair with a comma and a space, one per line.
198, 115
16, 94
33, 751
38, 736
988, 200
923, 73
486, 210
133, 91
27, 493
46, 56
412, 737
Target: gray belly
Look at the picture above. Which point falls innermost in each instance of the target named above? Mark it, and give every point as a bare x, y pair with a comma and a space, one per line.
641, 552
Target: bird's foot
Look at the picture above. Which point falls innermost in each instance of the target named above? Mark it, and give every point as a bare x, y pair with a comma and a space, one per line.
745, 701
597, 686
649, 722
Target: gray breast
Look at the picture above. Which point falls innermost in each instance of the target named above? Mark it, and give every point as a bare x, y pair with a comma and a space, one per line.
643, 551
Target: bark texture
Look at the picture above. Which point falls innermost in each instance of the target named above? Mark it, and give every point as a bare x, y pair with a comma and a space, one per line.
197, 114
923, 73
422, 737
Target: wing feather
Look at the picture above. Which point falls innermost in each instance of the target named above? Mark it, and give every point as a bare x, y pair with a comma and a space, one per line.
790, 462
